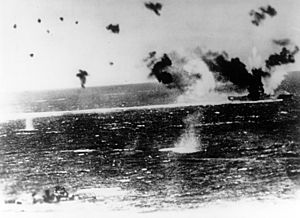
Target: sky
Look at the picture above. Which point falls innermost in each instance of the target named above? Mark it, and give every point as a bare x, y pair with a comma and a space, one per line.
183, 25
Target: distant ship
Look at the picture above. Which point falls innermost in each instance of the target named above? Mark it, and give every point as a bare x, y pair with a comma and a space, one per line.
282, 96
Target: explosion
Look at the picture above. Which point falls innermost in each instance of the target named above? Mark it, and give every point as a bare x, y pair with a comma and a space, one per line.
82, 76
203, 72
114, 28
179, 72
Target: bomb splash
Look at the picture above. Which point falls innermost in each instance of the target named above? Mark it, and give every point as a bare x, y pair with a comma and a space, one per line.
189, 141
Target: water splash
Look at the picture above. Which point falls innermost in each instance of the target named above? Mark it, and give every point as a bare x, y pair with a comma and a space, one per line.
278, 75
188, 141
29, 124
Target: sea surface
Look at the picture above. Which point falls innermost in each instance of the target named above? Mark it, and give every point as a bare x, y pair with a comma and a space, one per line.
149, 159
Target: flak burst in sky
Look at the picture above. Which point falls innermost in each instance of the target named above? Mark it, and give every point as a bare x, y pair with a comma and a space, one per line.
45, 42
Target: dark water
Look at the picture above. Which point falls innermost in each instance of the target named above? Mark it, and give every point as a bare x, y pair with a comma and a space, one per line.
242, 151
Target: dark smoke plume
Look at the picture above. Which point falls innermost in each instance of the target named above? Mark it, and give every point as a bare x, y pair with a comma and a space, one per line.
160, 71
182, 73
256, 87
151, 59
235, 71
227, 70
260, 15
113, 28
281, 42
170, 74
156, 7
268, 10
152, 54
284, 57
82, 76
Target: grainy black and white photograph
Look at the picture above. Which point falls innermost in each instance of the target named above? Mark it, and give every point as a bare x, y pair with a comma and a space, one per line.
149, 108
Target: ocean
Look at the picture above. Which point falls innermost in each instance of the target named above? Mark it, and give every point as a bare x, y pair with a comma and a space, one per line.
146, 158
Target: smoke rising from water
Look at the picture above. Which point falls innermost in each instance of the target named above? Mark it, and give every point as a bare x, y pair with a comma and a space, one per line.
205, 75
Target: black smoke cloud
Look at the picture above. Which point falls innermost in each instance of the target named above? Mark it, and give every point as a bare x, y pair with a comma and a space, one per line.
259, 15
268, 10
160, 68
284, 57
256, 87
156, 7
113, 28
82, 76
151, 59
169, 70
165, 71
235, 71
282, 42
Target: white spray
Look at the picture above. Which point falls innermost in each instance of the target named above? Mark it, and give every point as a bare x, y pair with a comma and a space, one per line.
271, 83
254, 60
277, 73
188, 142
200, 90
